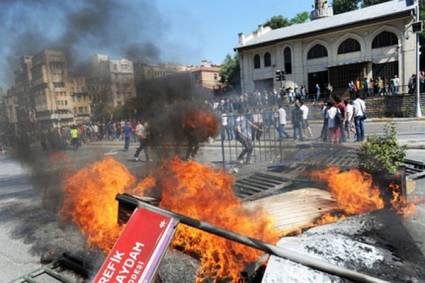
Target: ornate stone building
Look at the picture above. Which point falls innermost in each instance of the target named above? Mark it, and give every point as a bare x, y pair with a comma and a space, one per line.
365, 43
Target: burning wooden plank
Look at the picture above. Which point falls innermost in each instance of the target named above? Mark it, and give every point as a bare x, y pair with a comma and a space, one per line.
295, 209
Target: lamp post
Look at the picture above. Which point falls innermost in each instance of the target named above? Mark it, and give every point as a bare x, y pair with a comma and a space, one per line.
418, 89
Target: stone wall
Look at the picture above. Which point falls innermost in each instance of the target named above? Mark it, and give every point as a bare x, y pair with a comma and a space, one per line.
393, 106
403, 106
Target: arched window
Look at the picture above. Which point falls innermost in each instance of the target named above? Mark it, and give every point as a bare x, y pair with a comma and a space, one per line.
257, 63
287, 58
317, 51
383, 39
349, 45
267, 59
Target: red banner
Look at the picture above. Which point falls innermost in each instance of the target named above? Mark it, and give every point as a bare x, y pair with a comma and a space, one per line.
141, 246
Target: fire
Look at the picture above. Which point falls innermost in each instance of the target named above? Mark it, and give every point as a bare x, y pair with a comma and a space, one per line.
89, 200
187, 188
353, 190
328, 218
203, 193
204, 124
400, 204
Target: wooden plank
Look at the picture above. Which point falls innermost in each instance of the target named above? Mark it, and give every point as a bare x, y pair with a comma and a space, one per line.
296, 208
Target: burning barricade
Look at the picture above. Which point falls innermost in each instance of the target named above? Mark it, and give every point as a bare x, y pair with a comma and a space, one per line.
204, 194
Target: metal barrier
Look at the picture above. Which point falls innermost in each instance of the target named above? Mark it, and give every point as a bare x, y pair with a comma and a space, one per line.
266, 143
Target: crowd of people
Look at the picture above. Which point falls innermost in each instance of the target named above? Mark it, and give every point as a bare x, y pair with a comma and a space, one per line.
76, 135
342, 119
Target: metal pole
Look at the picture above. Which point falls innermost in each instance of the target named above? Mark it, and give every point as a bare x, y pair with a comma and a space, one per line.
281, 252
223, 157
418, 85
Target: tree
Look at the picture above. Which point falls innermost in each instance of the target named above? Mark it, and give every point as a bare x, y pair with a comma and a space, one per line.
276, 22
342, 6
280, 21
367, 3
300, 18
230, 71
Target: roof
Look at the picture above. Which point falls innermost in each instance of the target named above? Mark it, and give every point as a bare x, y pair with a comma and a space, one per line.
369, 13
205, 69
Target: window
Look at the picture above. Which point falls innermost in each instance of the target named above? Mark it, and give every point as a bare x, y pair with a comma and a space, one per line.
267, 59
257, 63
287, 58
383, 39
317, 51
349, 45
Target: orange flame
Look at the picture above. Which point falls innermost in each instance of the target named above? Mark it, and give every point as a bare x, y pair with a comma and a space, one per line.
185, 187
328, 218
200, 192
400, 204
204, 123
89, 200
352, 189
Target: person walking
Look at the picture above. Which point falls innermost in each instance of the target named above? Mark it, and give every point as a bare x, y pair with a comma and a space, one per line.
306, 126
142, 133
359, 117
340, 119
242, 133
395, 82
297, 121
126, 130
324, 133
334, 118
257, 120
74, 136
317, 92
281, 116
348, 118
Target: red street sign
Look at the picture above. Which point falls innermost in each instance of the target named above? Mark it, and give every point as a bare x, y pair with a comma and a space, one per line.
139, 250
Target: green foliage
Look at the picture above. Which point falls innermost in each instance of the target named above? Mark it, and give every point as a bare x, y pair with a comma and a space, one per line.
280, 21
276, 22
300, 18
342, 6
382, 154
230, 71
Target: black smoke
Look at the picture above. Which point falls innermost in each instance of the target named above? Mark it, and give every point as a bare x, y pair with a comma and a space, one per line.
80, 28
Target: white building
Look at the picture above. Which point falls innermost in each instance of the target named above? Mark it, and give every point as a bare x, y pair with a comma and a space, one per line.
365, 43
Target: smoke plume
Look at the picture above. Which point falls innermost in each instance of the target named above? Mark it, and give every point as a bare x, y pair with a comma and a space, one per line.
80, 28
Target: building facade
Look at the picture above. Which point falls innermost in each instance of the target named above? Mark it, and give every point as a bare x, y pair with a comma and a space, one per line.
207, 75
80, 99
52, 100
111, 81
372, 42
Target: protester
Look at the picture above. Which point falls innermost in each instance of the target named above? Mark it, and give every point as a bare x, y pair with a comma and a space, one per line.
317, 92
242, 132
340, 122
324, 132
359, 117
334, 118
297, 121
395, 82
142, 133
126, 130
281, 119
348, 118
306, 126
74, 136
257, 120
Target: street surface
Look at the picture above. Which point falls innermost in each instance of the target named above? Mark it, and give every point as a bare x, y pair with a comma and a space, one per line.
30, 194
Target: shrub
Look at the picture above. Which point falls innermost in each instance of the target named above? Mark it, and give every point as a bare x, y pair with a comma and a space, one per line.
382, 154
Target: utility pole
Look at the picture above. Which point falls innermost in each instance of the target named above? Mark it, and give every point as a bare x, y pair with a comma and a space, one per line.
418, 86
